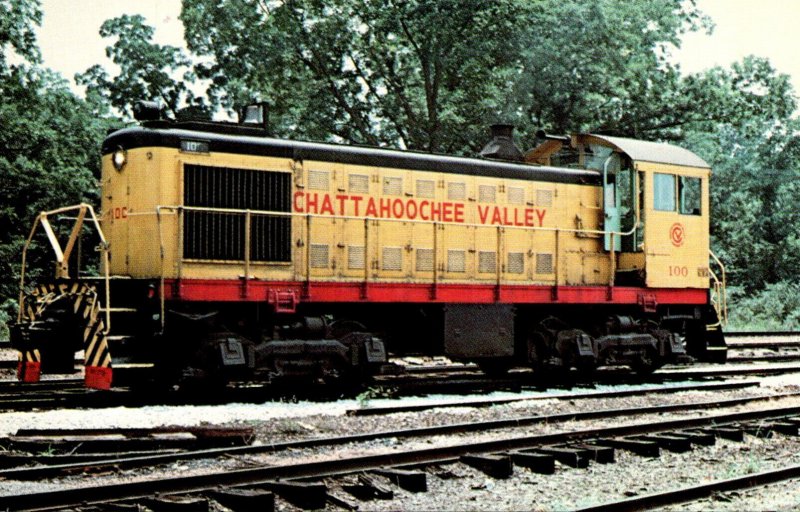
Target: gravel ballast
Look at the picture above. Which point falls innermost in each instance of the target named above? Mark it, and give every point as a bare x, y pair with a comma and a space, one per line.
464, 488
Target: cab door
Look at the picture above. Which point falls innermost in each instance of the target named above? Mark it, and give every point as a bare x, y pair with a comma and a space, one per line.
676, 232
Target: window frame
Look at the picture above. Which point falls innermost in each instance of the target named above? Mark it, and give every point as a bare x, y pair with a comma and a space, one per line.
695, 212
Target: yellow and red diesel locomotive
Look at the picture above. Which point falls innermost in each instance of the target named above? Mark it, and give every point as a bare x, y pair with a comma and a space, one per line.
228, 254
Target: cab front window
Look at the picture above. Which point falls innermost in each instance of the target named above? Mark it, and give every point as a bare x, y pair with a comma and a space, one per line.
664, 192
689, 192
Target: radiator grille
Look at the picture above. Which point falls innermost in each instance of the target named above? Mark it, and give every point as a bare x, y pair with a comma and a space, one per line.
318, 256
487, 193
544, 198
457, 191
318, 180
358, 183
425, 188
221, 236
516, 195
392, 186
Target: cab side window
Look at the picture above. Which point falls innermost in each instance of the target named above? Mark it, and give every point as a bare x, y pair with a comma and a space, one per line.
689, 191
664, 192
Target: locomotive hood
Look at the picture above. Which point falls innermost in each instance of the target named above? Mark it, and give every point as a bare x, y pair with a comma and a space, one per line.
170, 135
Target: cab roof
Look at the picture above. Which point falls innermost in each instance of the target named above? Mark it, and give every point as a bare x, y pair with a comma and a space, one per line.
636, 150
656, 152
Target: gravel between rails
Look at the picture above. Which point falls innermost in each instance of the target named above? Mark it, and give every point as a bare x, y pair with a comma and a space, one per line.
470, 489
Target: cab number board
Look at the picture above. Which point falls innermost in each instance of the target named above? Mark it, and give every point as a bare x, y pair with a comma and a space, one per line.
678, 271
194, 146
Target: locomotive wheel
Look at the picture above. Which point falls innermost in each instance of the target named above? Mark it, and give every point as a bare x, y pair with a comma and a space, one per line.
647, 364
348, 377
536, 350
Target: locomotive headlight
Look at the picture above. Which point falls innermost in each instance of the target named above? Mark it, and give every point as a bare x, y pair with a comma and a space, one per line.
119, 159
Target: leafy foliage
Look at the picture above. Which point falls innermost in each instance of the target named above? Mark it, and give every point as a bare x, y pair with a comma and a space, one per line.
430, 75
416, 74
754, 222
147, 70
602, 65
17, 19
48, 155
776, 307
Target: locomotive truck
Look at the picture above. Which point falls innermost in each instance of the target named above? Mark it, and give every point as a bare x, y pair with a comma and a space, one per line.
228, 254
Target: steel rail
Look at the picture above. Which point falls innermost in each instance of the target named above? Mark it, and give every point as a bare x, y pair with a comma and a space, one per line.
696, 492
667, 373
778, 358
522, 379
41, 472
716, 386
12, 363
694, 373
767, 343
516, 381
337, 466
54, 384
759, 334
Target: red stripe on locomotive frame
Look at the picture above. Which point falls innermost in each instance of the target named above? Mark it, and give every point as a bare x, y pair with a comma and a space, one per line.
223, 290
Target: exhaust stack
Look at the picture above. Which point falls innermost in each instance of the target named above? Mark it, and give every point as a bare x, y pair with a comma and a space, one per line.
502, 146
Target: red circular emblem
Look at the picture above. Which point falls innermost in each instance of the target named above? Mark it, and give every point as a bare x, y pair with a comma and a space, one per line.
676, 234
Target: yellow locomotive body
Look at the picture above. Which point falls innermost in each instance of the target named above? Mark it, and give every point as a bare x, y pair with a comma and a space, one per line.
307, 244
423, 227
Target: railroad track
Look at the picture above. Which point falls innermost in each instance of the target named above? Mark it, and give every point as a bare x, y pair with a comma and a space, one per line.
460, 377
55, 466
419, 379
313, 484
761, 347
70, 393
761, 334
392, 409
697, 492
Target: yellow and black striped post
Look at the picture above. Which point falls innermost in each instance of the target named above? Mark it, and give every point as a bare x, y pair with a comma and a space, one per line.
85, 305
29, 368
97, 358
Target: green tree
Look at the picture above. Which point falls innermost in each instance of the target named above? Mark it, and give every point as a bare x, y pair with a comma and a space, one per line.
148, 71
48, 144
754, 185
430, 75
417, 74
601, 65
17, 36
604, 67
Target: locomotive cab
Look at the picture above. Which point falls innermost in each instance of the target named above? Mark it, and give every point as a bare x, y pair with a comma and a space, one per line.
655, 207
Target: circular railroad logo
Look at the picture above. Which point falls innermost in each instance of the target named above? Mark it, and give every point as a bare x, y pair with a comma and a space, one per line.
676, 234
